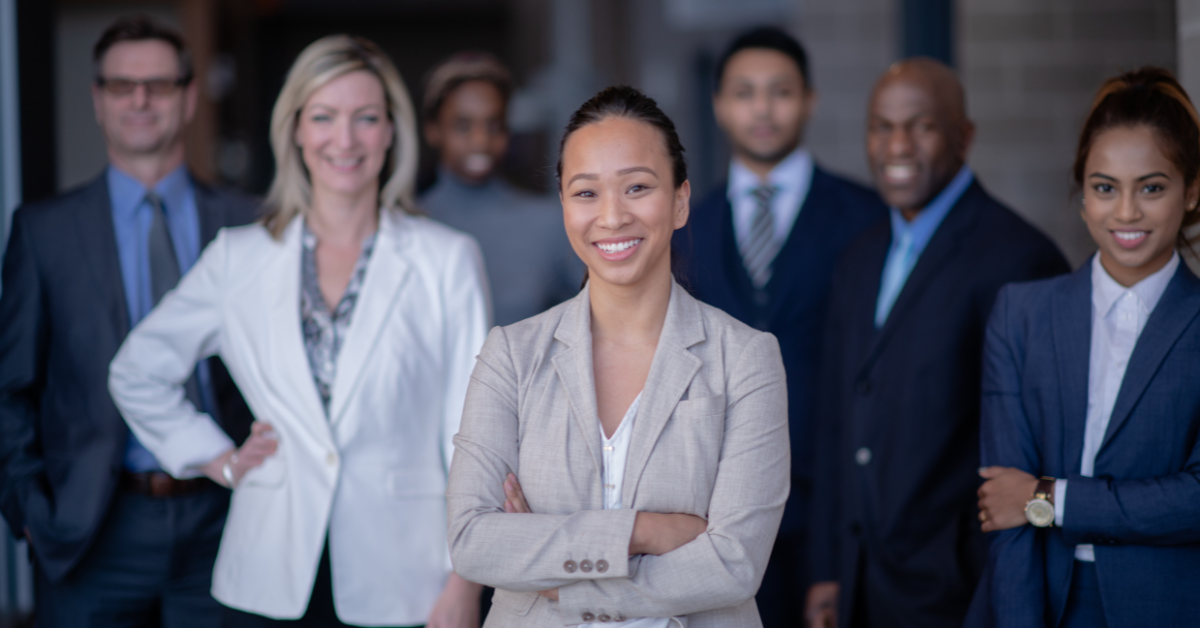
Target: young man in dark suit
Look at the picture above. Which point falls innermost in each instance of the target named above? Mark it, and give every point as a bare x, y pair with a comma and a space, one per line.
762, 247
896, 541
117, 541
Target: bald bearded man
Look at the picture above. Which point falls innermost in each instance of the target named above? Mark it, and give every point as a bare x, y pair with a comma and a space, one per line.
896, 540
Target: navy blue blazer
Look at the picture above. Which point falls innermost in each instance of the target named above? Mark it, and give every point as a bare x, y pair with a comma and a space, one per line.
793, 307
1142, 508
62, 317
894, 503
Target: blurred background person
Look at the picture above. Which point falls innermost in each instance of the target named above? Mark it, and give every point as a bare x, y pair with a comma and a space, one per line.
117, 541
1090, 396
664, 483
896, 540
353, 326
530, 265
762, 247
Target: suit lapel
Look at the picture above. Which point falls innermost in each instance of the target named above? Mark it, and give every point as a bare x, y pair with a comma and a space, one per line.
98, 245
1177, 308
1072, 328
671, 373
287, 339
798, 249
933, 260
574, 368
387, 271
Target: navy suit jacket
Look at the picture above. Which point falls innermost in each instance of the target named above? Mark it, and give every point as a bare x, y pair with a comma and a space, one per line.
1141, 510
793, 308
63, 315
894, 503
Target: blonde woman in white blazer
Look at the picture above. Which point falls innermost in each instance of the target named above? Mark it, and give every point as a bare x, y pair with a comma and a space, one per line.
624, 456
350, 326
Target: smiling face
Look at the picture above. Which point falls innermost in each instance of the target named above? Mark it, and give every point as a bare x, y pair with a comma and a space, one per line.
344, 135
1134, 199
620, 205
141, 123
917, 136
763, 104
470, 132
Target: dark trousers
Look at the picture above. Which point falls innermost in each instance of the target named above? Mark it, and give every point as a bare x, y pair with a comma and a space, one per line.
1084, 608
784, 588
150, 566
319, 614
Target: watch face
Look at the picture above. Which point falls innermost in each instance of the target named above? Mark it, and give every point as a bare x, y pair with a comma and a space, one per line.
1039, 512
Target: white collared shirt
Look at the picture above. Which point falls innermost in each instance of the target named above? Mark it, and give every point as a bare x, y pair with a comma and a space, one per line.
615, 451
1118, 316
791, 178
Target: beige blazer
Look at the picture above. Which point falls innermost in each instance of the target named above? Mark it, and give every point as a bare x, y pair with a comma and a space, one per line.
710, 439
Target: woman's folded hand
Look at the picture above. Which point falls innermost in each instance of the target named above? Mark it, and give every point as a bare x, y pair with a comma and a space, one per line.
657, 533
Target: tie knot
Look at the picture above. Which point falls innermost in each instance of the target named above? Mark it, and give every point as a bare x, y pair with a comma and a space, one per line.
154, 200
764, 193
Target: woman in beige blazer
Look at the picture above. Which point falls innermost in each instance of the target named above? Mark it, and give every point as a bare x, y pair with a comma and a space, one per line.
622, 457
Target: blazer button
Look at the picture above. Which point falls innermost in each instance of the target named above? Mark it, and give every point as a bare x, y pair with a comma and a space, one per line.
588, 617
585, 566
570, 566
855, 529
604, 618
862, 456
619, 617
602, 565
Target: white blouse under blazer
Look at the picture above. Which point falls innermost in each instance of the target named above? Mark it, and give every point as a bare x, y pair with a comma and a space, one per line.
372, 475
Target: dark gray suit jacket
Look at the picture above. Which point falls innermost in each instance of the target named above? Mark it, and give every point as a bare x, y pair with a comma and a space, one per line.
63, 315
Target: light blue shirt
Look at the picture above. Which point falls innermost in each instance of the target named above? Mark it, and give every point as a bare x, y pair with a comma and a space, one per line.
909, 240
131, 225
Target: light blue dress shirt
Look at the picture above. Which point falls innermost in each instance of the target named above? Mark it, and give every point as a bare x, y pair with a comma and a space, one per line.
909, 240
131, 225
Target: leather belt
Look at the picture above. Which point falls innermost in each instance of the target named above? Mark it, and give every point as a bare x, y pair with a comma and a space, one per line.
161, 484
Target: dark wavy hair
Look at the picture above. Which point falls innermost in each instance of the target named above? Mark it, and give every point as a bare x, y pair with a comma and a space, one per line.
142, 28
1149, 97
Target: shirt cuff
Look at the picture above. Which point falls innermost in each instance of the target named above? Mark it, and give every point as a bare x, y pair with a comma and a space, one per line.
1060, 498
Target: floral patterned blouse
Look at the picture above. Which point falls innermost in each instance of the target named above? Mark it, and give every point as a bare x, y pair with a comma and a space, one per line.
325, 331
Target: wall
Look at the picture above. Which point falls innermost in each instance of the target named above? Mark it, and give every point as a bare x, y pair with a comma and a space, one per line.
1031, 68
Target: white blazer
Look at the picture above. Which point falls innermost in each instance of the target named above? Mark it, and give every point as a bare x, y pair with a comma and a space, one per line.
372, 476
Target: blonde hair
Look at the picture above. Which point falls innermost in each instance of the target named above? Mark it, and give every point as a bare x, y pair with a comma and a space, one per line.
322, 61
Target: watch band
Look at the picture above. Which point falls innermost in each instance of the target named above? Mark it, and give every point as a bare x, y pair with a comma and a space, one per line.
1045, 489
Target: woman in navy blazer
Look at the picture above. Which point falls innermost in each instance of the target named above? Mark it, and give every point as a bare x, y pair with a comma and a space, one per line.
1091, 391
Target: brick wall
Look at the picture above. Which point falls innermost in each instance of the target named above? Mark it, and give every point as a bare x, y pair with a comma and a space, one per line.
1031, 68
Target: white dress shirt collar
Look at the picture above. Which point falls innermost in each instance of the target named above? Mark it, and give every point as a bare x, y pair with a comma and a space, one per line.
1106, 290
791, 178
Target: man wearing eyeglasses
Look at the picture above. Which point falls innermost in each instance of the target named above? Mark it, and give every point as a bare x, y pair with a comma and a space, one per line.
117, 541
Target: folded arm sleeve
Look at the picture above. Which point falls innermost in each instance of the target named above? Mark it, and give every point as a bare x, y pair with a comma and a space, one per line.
1146, 511
723, 566
1017, 578
147, 377
518, 552
22, 365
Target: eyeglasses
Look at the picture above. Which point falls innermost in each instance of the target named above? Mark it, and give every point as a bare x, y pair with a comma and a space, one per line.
154, 86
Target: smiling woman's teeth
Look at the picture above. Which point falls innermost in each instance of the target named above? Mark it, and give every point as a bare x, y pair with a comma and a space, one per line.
1129, 235
344, 163
617, 247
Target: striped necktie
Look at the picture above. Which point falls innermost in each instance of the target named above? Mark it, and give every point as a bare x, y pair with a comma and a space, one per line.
758, 246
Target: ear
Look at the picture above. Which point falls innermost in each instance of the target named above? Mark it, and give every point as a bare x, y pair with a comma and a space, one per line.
968, 136
719, 110
98, 103
191, 94
433, 134
683, 204
1192, 198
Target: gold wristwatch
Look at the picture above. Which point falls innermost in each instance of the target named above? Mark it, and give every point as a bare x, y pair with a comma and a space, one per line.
1040, 510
